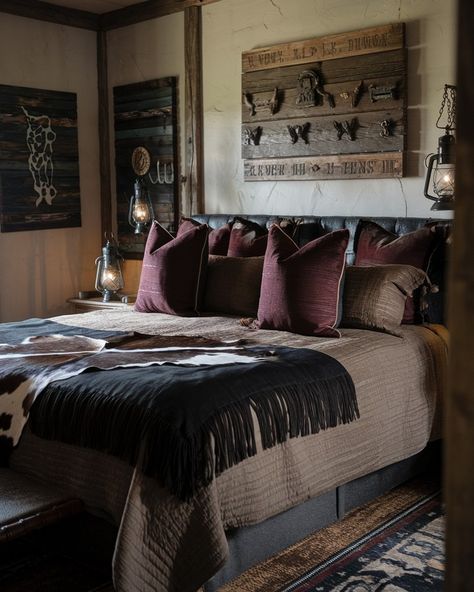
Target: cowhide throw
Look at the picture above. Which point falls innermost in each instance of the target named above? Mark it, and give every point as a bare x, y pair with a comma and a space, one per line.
180, 408
27, 368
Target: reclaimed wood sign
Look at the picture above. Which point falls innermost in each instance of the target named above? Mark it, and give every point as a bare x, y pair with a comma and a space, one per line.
39, 159
326, 108
146, 128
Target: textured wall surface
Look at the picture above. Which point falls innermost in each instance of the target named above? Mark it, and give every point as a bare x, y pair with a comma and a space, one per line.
233, 26
39, 270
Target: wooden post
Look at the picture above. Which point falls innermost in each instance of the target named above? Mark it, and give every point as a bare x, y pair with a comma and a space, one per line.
459, 456
193, 125
104, 135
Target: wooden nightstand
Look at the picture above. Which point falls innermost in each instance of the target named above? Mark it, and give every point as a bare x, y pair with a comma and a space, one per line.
96, 303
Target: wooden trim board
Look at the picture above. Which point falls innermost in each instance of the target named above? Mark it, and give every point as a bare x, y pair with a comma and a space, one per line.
45, 11
318, 168
330, 47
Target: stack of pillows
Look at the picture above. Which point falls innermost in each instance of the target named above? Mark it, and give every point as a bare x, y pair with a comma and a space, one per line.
244, 269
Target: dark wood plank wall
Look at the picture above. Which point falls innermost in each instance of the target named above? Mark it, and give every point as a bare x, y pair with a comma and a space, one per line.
459, 456
145, 115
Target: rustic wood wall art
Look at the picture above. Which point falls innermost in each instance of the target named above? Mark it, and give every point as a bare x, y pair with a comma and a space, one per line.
39, 159
145, 116
326, 108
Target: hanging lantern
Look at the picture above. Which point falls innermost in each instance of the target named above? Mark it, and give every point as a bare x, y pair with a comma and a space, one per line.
109, 279
140, 214
441, 166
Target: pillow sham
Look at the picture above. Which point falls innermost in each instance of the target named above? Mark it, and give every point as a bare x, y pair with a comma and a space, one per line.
247, 239
374, 296
375, 245
301, 288
173, 270
218, 237
233, 285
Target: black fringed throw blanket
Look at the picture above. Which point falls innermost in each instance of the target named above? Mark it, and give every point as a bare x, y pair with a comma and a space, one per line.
184, 417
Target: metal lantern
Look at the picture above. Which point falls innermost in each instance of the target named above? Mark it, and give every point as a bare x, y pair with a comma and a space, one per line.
140, 214
109, 279
441, 166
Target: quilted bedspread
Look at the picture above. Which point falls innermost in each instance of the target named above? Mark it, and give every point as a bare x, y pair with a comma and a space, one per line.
168, 545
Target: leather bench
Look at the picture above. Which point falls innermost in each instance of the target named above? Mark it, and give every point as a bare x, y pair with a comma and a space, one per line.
26, 505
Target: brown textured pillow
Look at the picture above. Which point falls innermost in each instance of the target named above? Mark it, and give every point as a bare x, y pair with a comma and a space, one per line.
233, 285
375, 296
173, 269
375, 245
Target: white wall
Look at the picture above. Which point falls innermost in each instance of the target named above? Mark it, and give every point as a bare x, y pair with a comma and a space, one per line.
40, 269
233, 26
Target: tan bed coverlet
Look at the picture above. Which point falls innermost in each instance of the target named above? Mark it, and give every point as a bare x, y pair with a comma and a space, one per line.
165, 545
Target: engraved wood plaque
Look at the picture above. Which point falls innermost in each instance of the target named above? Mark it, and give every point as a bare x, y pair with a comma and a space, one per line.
326, 108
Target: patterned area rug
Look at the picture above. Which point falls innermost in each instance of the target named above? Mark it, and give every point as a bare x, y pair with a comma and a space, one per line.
405, 554
394, 544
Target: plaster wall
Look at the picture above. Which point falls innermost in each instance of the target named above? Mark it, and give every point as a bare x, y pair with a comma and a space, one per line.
233, 26
40, 269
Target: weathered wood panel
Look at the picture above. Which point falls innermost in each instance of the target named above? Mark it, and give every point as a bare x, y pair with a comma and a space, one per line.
322, 136
39, 160
343, 94
193, 117
145, 115
378, 65
459, 419
330, 47
318, 168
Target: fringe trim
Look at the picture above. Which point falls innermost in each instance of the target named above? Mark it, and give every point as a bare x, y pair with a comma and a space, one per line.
184, 463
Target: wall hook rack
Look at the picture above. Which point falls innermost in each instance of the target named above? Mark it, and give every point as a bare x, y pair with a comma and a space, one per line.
164, 173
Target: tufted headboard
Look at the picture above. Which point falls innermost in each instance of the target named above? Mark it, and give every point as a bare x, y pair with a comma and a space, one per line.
312, 227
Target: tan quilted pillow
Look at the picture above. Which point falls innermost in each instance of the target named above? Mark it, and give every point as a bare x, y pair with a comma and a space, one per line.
233, 285
374, 296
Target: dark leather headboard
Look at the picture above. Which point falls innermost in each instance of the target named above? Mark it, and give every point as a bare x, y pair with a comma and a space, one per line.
312, 227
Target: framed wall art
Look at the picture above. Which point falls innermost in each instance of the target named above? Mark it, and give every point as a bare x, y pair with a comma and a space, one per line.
39, 159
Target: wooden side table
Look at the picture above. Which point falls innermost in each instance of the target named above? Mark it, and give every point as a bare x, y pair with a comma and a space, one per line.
96, 303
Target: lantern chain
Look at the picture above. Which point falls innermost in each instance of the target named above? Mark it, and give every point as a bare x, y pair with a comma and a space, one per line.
448, 102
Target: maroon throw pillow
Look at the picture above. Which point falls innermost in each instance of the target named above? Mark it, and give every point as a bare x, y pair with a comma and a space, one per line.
247, 239
172, 277
300, 289
376, 245
218, 237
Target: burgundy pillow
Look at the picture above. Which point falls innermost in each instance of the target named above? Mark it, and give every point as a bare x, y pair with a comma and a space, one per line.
218, 237
377, 245
300, 289
247, 239
172, 277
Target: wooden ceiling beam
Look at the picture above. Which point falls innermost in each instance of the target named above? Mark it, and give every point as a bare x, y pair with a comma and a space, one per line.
61, 15
144, 11
45, 11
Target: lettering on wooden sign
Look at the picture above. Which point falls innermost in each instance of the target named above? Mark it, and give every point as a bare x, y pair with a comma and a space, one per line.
375, 39
355, 166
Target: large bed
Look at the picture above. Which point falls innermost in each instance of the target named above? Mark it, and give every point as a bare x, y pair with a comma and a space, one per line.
271, 499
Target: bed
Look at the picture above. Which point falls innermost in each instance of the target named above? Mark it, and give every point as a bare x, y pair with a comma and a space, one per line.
274, 498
